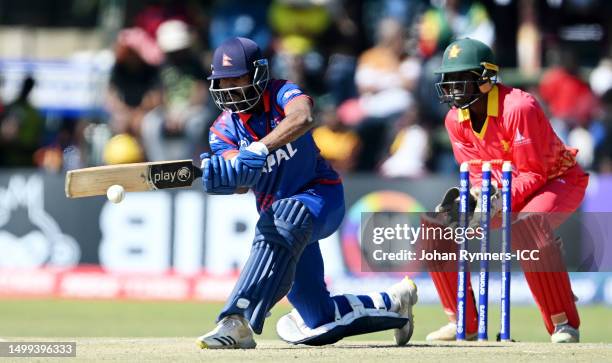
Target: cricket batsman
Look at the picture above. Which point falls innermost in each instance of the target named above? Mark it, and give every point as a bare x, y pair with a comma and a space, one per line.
262, 142
491, 121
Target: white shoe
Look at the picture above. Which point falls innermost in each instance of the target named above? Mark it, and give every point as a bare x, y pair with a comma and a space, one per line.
565, 334
447, 333
404, 292
232, 332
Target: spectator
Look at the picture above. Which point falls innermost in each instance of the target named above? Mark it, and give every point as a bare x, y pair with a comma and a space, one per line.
568, 97
385, 77
237, 18
21, 129
454, 19
63, 151
603, 153
572, 104
338, 144
528, 40
409, 150
298, 26
176, 129
601, 77
156, 12
1, 103
439, 25
406, 12
341, 54
298, 23
134, 84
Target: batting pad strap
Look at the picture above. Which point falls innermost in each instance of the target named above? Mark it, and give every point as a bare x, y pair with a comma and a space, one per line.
291, 327
356, 304
379, 302
337, 315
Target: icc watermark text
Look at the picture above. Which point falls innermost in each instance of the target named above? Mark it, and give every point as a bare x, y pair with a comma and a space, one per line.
463, 255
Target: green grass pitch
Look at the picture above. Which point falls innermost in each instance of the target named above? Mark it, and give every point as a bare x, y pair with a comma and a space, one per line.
135, 330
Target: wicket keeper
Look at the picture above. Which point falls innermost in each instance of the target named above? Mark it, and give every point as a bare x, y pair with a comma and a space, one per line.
262, 142
491, 121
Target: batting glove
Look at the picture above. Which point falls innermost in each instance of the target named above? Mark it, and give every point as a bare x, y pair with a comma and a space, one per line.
218, 175
249, 164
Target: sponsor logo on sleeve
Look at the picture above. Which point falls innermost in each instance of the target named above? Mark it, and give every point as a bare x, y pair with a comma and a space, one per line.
290, 93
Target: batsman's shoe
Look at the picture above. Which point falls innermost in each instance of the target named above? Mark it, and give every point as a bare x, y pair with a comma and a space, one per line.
447, 333
232, 332
405, 293
565, 334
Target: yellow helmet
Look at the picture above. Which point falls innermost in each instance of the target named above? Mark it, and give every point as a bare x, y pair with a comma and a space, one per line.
122, 149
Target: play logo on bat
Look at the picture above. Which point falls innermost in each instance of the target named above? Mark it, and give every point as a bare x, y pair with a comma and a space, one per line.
183, 174
171, 175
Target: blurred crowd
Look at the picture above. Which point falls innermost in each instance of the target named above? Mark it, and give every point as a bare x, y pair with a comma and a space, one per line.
367, 64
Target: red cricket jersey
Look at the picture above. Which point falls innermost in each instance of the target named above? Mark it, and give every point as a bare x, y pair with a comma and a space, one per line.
516, 130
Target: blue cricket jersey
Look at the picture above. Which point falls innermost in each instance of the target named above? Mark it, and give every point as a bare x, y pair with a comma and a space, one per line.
288, 170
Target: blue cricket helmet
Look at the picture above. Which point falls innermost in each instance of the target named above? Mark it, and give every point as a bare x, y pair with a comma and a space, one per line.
237, 57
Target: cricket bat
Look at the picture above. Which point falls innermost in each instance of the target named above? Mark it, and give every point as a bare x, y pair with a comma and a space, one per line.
137, 177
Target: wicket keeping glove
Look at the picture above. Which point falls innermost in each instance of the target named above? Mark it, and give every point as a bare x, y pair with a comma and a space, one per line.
495, 203
249, 164
448, 209
218, 175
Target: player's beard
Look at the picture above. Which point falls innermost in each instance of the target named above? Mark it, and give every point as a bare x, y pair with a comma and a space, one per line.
249, 100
